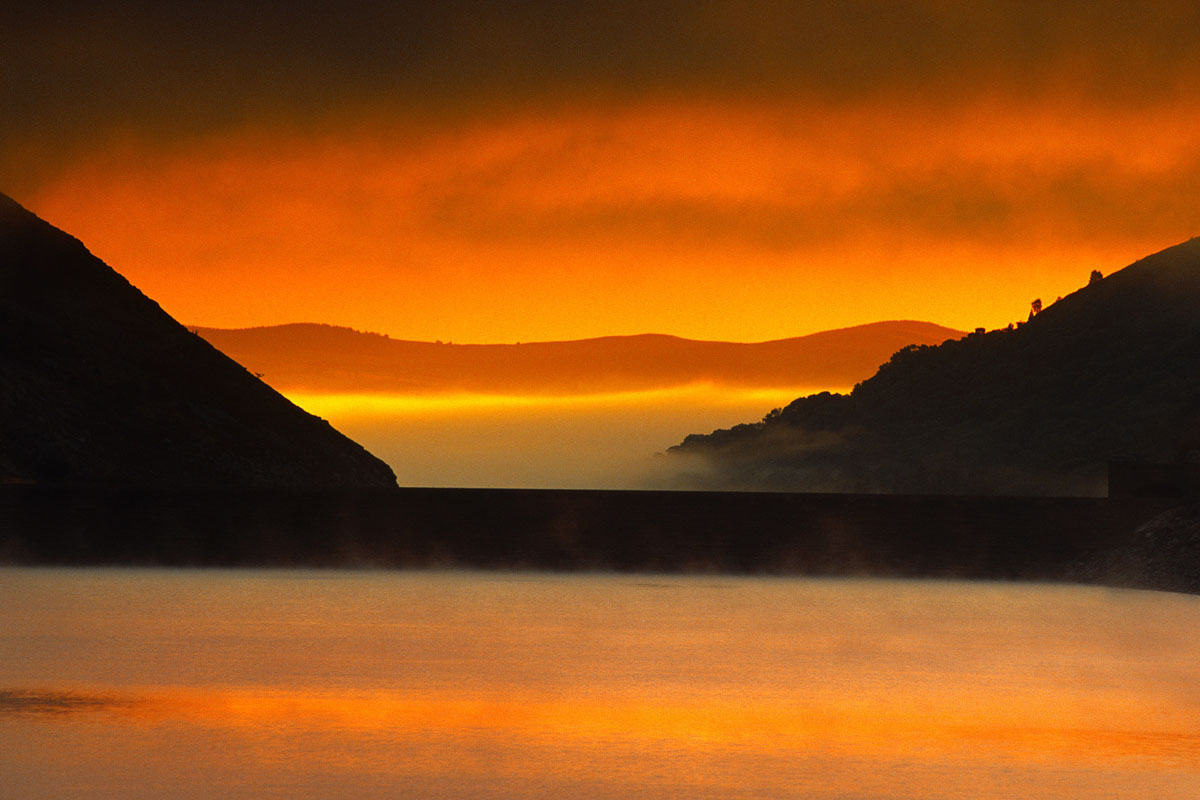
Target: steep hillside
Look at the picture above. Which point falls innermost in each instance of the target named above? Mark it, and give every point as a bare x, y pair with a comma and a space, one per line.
1110, 372
100, 385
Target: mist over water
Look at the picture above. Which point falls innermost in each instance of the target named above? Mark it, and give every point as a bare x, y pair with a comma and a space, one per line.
419, 684
605, 441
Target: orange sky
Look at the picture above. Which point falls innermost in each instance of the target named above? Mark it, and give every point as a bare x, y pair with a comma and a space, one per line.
739, 171
741, 222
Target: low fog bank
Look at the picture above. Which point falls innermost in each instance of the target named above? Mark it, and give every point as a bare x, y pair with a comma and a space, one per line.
781, 458
608, 441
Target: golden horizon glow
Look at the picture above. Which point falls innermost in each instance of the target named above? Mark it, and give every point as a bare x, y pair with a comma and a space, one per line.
382, 404
597, 441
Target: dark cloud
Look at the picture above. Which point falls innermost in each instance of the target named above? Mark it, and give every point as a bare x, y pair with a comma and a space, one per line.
73, 73
441, 50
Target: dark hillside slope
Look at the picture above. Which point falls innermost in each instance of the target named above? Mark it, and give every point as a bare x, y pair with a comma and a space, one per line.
98, 384
1110, 372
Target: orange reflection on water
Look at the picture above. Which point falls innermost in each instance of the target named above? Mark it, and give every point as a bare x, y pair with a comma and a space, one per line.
1034, 726
434, 685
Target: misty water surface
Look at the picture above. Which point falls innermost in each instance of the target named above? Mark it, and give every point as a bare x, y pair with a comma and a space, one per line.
606, 441
248, 684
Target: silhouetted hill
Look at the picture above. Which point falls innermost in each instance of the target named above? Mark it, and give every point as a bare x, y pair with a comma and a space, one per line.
1110, 372
98, 384
323, 358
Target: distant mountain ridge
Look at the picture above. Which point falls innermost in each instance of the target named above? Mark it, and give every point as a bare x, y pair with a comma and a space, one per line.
99, 385
1110, 372
325, 358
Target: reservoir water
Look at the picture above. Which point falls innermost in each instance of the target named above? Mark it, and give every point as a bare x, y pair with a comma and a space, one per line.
323, 684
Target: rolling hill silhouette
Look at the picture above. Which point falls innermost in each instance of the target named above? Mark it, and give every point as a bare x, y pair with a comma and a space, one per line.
324, 358
99, 385
1110, 372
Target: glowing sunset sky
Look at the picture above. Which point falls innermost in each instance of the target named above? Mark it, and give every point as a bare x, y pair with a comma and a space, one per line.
512, 172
